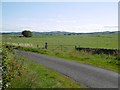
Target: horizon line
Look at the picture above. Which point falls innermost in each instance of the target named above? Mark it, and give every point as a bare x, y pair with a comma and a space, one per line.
56, 31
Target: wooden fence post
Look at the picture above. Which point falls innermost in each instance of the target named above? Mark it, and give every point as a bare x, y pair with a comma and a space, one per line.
46, 46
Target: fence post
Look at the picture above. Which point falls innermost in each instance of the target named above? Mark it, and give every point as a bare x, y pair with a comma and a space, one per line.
37, 46
61, 47
46, 46
75, 47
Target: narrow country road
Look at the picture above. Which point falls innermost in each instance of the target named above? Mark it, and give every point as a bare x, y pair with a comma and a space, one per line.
88, 75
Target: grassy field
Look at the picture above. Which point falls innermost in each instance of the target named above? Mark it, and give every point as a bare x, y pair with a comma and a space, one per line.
68, 41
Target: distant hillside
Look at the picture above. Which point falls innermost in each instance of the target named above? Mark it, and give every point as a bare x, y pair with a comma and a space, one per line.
64, 33
52, 33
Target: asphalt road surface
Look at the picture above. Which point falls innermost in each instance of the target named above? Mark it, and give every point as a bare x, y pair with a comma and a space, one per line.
90, 76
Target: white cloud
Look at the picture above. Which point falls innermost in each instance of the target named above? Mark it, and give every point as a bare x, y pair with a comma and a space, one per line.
41, 27
56, 24
66, 21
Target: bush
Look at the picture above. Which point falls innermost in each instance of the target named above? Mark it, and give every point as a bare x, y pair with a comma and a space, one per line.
11, 66
27, 33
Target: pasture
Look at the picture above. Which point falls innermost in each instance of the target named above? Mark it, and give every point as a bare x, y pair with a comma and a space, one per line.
67, 41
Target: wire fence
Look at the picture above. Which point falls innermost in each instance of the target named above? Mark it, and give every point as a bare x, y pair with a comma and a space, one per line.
66, 48
49, 47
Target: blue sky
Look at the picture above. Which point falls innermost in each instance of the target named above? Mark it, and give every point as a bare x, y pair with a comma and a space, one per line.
59, 0
60, 16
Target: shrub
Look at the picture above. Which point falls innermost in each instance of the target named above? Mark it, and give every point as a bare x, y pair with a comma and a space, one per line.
11, 66
27, 33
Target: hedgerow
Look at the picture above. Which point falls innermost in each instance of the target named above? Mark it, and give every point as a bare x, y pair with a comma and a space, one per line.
11, 66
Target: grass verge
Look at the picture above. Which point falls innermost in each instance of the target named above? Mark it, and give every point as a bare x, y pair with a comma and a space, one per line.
22, 73
38, 76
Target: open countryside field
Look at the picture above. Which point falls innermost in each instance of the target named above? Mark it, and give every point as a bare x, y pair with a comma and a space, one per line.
59, 45
63, 46
68, 41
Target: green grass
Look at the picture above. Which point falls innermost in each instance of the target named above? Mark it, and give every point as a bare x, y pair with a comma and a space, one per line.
69, 41
38, 76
